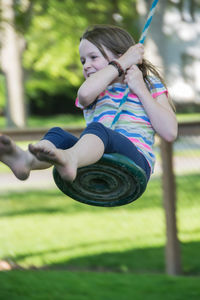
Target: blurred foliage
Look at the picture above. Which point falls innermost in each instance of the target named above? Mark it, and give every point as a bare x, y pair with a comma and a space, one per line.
51, 30
53, 37
51, 58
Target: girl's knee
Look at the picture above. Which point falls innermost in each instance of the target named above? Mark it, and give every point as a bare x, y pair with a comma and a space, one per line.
96, 125
99, 130
56, 130
60, 138
94, 128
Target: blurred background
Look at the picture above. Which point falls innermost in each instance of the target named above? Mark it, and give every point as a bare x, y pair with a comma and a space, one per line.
39, 59
121, 251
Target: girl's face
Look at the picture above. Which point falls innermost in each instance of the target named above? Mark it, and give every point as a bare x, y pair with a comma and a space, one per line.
92, 59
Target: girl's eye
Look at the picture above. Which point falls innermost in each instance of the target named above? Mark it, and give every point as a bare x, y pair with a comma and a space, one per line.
93, 56
82, 61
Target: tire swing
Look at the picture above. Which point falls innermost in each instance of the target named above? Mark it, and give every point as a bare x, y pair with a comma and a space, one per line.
115, 179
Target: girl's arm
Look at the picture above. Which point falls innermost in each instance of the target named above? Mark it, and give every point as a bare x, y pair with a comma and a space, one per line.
159, 110
94, 85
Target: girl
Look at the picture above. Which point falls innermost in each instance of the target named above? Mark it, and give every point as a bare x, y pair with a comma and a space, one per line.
111, 62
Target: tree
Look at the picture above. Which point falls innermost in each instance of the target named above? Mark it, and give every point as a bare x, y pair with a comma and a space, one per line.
50, 30
55, 53
11, 56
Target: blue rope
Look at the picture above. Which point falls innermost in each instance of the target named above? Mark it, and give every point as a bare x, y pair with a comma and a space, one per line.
148, 22
116, 118
142, 39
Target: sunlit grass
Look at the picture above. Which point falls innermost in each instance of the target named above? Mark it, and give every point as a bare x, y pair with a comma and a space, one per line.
194, 153
187, 117
65, 120
65, 230
49, 229
97, 253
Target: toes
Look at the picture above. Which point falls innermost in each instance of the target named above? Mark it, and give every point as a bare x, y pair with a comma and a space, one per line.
4, 139
47, 155
31, 148
5, 145
40, 151
46, 151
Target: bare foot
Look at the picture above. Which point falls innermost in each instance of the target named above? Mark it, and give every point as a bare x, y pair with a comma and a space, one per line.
63, 160
14, 157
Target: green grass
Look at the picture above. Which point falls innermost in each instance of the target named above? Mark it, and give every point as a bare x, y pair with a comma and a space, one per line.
49, 229
188, 117
65, 120
42, 285
187, 153
59, 120
84, 252
67, 233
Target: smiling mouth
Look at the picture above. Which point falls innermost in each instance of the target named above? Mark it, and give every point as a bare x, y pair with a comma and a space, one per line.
88, 75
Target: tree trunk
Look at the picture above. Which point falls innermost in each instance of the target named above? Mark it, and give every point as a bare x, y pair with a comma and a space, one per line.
11, 63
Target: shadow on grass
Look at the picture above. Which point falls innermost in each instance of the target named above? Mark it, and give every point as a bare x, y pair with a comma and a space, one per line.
143, 260
44, 285
134, 260
53, 201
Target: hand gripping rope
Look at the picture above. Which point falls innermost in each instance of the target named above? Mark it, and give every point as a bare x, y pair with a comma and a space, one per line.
115, 179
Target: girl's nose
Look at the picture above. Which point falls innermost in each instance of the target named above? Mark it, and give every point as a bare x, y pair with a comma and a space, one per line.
86, 65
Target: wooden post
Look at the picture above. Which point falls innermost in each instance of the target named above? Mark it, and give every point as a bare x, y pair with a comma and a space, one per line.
172, 252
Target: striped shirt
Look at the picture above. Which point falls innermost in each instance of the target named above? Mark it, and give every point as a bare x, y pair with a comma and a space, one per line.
133, 121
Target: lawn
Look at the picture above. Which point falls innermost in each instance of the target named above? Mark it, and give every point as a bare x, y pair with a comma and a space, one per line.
65, 120
64, 285
46, 228
187, 117
83, 252
68, 233
77, 252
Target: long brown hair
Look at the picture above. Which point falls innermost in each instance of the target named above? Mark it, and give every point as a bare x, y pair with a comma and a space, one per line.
118, 41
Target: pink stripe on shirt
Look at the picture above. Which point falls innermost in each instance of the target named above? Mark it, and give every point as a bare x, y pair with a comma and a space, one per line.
125, 117
136, 141
154, 95
118, 96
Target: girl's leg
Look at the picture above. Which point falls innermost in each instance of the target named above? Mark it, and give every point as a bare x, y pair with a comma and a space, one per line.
115, 142
60, 138
19, 161
22, 162
87, 150
94, 141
